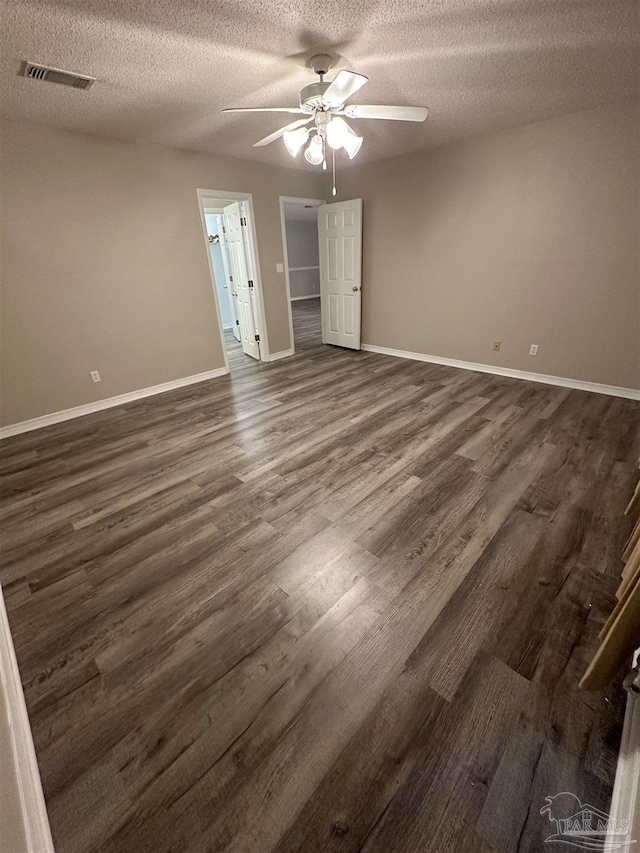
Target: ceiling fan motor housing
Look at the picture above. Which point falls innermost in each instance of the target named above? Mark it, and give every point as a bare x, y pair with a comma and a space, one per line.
311, 95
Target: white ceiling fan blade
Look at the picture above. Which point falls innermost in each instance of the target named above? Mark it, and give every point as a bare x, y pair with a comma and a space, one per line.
296, 110
345, 84
278, 133
390, 113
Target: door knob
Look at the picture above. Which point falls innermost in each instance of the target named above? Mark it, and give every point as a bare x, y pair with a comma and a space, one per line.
355, 289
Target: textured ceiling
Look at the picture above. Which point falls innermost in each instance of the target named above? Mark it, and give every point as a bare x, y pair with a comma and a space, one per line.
166, 68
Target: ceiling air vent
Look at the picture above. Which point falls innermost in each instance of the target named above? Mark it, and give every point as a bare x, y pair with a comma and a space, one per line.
56, 75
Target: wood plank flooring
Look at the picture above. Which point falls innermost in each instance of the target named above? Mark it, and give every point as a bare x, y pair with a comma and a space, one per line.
340, 602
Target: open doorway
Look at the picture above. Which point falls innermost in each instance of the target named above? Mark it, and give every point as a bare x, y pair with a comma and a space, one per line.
229, 229
299, 218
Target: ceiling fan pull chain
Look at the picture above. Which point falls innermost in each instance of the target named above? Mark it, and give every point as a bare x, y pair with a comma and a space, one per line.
334, 171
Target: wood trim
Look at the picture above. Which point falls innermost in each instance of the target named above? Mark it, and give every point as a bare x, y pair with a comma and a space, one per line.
300, 269
630, 574
34, 811
544, 378
108, 403
310, 296
633, 508
632, 541
625, 802
619, 637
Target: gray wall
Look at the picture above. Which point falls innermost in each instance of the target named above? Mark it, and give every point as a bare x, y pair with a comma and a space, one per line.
529, 235
525, 236
104, 264
302, 248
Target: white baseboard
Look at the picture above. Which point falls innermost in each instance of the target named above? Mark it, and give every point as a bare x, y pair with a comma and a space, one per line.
285, 353
544, 378
20, 768
107, 403
312, 296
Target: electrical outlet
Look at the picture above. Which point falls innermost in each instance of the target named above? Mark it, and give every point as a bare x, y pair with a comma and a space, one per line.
279, 267
533, 349
496, 346
95, 376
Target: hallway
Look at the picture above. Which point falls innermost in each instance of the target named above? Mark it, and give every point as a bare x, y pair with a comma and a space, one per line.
307, 334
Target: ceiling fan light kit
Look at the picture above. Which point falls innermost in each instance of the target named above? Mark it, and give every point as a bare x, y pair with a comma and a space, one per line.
324, 104
314, 153
337, 130
340, 135
295, 139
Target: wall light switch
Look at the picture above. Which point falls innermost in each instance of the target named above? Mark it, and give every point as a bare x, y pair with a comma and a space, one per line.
279, 267
534, 349
496, 346
95, 376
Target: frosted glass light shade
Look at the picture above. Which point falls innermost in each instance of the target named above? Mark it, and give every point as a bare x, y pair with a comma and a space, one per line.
314, 154
337, 131
295, 139
352, 144
340, 135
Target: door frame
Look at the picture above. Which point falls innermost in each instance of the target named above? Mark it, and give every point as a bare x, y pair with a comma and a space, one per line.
285, 199
260, 318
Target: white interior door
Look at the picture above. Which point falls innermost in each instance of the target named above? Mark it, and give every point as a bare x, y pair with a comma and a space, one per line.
228, 276
245, 215
340, 243
241, 289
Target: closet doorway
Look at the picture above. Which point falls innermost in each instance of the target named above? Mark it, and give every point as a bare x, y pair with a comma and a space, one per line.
299, 217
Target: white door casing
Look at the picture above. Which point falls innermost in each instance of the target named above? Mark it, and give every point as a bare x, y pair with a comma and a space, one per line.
340, 243
241, 289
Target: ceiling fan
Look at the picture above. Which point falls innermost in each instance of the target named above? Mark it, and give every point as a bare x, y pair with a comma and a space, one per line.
323, 106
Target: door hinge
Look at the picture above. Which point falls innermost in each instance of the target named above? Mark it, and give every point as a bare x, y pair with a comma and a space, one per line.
258, 338
224, 230
230, 278
243, 220
237, 322
250, 283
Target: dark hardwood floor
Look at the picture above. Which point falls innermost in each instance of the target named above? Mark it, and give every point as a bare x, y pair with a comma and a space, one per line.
340, 602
